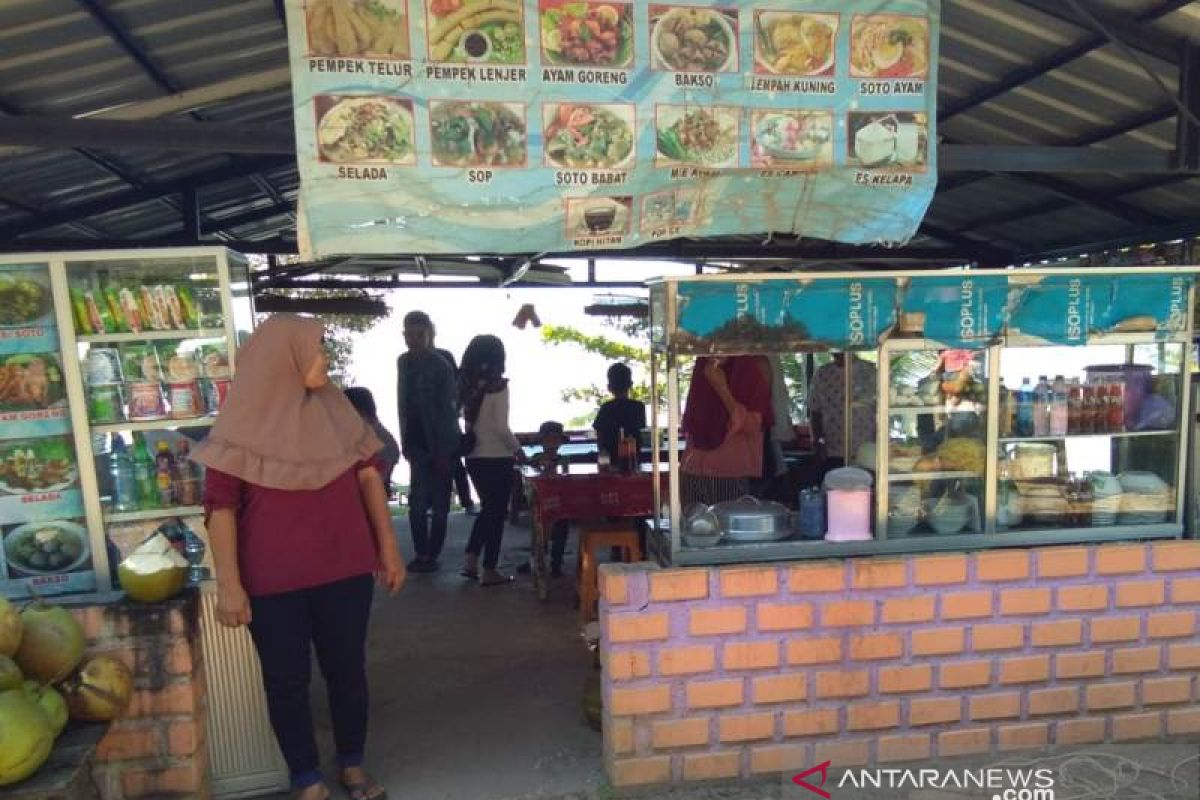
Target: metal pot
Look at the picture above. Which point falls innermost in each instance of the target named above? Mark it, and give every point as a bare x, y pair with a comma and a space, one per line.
749, 519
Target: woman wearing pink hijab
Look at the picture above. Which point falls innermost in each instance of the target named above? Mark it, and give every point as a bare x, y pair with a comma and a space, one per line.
298, 523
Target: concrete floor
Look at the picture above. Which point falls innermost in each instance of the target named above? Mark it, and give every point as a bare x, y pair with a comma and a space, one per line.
476, 692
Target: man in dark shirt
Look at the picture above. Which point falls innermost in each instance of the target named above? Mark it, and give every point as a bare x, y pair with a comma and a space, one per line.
426, 400
619, 414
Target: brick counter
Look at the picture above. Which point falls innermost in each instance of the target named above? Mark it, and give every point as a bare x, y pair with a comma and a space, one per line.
719, 672
157, 749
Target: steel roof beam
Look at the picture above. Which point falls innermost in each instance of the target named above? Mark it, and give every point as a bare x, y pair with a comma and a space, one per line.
149, 191
117, 134
1126, 26
119, 35
1023, 75
1187, 136
264, 246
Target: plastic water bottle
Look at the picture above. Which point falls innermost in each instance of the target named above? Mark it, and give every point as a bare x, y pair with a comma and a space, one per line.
1059, 408
1042, 398
120, 471
164, 474
1025, 411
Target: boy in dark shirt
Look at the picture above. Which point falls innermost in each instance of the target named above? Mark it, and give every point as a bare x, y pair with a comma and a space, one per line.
620, 413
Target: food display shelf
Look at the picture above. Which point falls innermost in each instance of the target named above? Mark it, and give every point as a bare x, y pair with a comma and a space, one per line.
154, 513
147, 336
154, 425
1121, 435
972, 408
910, 477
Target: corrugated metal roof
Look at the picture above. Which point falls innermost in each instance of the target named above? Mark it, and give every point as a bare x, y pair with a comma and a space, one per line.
57, 57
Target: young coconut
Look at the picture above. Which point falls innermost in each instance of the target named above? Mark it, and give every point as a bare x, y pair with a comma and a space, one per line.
10, 628
25, 737
100, 691
51, 643
10, 674
51, 703
154, 572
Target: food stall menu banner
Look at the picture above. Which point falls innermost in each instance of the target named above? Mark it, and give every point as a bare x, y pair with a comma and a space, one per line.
43, 541
525, 126
1067, 309
785, 315
966, 312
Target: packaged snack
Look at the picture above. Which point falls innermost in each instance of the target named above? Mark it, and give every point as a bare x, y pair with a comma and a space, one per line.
113, 303
185, 400
187, 301
79, 310
140, 362
130, 309
146, 401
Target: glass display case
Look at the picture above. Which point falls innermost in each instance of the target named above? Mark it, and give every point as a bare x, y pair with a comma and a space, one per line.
138, 355
1012, 407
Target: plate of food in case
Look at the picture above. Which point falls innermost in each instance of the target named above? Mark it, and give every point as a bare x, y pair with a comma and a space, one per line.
36, 465
47, 548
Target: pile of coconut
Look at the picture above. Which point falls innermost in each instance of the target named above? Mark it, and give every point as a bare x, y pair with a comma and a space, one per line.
44, 676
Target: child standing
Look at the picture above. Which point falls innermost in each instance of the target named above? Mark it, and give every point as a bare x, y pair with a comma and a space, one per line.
551, 436
621, 414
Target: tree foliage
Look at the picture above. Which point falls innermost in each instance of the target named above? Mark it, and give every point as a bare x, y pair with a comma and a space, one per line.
340, 329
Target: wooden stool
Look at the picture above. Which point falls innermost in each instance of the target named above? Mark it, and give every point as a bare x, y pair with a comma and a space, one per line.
593, 538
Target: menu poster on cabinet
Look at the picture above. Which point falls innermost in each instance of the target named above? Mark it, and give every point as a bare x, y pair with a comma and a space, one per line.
506, 126
43, 540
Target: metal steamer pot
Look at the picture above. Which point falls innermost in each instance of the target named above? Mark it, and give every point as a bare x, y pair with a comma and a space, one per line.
749, 519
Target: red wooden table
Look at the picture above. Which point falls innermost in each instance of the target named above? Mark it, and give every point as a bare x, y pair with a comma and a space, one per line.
580, 497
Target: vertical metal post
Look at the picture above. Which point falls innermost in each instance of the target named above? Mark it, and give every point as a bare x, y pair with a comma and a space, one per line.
1187, 132
883, 405
991, 476
673, 417
190, 208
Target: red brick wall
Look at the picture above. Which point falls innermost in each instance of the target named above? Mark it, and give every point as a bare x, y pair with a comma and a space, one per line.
734, 671
158, 748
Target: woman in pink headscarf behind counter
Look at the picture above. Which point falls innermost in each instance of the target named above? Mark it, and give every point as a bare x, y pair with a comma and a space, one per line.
298, 521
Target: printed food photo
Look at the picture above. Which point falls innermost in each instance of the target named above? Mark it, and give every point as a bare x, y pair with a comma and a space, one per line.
23, 300
689, 39
365, 130
793, 139
466, 133
895, 140
889, 46
29, 382
37, 465
702, 137
790, 43
587, 34
599, 216
588, 136
369, 28
47, 548
476, 30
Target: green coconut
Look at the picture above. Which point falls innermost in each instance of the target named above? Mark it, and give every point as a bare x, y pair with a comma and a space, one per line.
26, 737
154, 572
10, 674
10, 628
51, 643
51, 703
100, 691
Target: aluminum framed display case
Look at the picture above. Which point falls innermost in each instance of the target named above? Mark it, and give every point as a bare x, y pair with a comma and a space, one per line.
955, 462
107, 358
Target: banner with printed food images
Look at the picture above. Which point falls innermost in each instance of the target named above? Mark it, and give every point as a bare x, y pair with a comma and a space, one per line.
515, 126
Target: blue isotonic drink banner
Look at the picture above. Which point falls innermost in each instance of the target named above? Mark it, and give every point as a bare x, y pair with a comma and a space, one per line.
785, 316
512, 126
965, 312
1067, 309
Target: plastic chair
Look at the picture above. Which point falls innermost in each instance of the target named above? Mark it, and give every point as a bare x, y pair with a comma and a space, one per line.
595, 537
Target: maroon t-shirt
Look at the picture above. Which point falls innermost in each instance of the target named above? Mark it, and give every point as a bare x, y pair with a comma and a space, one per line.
289, 540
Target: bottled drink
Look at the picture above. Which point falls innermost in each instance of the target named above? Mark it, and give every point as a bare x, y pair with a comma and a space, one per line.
164, 474
1093, 422
120, 471
1116, 408
187, 476
1059, 408
1076, 409
1025, 409
1042, 398
143, 474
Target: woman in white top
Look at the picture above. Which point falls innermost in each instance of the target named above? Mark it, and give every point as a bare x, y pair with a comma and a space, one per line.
483, 394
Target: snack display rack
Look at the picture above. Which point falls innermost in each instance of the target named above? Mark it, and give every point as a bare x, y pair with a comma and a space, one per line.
116, 357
